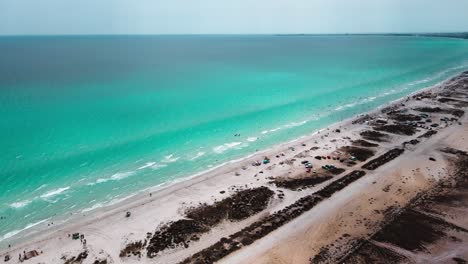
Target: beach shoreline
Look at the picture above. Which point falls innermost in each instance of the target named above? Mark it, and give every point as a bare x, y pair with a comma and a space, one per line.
167, 187
172, 200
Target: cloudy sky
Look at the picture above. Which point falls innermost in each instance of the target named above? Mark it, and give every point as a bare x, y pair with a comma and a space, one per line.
23, 17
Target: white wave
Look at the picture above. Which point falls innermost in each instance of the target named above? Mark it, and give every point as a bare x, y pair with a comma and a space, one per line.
158, 166
55, 192
170, 158
350, 105
289, 125
400, 89
274, 129
222, 148
116, 177
339, 108
109, 203
199, 154
420, 81
346, 106
118, 200
147, 165
20, 204
252, 139
404, 87
358, 102
95, 206
41, 187
15, 232
295, 124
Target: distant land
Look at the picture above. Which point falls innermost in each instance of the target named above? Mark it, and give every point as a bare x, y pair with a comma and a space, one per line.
462, 35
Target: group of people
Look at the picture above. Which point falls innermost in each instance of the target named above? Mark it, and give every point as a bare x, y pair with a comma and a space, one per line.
24, 256
82, 238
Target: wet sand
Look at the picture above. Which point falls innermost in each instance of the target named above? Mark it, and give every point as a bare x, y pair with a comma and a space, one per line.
354, 191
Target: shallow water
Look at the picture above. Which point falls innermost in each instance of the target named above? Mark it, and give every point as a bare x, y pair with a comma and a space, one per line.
87, 121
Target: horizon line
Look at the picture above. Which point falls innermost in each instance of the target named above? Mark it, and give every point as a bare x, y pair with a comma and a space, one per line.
235, 34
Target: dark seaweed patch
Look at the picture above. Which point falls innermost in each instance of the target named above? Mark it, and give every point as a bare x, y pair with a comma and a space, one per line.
265, 226
295, 184
413, 231
374, 136
429, 109
405, 117
340, 184
132, 248
361, 154
363, 143
174, 234
459, 260
412, 228
239, 206
368, 252
454, 94
399, 129
455, 102
454, 112
77, 259
455, 193
362, 119
253, 232
335, 170
411, 142
428, 134
454, 151
382, 159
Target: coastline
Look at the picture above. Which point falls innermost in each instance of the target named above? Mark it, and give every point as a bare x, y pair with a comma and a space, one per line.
112, 203
90, 214
204, 187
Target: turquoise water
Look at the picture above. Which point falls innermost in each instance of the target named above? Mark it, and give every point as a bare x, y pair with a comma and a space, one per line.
88, 121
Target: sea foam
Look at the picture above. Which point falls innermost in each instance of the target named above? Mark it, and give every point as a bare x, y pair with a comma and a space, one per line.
198, 155
20, 204
15, 232
158, 166
222, 148
170, 158
147, 165
53, 193
252, 139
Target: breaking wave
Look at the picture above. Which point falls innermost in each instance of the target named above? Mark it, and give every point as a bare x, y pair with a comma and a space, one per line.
20, 204
53, 193
170, 158
15, 232
147, 165
222, 148
115, 177
198, 155
252, 139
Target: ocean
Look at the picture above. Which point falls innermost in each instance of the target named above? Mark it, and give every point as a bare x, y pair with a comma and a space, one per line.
87, 121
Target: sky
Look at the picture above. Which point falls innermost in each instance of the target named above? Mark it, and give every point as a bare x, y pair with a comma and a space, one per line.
57, 17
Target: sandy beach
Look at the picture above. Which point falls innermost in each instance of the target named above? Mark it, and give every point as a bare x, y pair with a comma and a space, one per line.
388, 186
